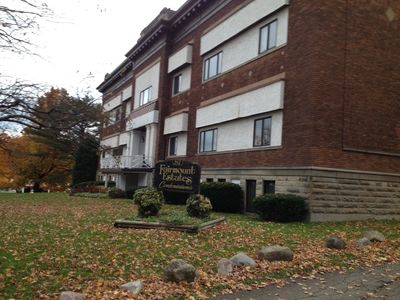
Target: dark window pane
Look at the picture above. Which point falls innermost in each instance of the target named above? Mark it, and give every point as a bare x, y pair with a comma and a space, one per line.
258, 133
209, 180
266, 138
213, 66
262, 132
177, 83
172, 146
208, 140
269, 187
268, 36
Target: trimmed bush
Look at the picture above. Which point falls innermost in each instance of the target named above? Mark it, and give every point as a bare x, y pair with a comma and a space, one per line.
198, 206
176, 198
149, 201
224, 196
282, 208
115, 193
129, 193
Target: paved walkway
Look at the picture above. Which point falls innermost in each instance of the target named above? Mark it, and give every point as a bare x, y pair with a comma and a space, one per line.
379, 282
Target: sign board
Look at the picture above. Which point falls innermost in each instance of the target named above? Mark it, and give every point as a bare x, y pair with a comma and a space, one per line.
177, 176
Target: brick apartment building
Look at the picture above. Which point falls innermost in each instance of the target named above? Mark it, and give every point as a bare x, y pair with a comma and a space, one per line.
299, 96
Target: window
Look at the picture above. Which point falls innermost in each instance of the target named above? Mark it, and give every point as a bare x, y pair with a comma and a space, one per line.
235, 181
262, 132
173, 146
208, 140
209, 180
177, 84
145, 96
117, 151
268, 36
212, 66
115, 116
269, 186
221, 180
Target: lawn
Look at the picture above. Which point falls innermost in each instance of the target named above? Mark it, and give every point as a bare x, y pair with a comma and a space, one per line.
53, 242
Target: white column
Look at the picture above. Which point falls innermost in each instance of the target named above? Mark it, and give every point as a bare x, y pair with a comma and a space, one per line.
147, 141
153, 141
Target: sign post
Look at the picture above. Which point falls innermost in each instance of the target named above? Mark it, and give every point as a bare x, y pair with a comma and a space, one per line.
177, 176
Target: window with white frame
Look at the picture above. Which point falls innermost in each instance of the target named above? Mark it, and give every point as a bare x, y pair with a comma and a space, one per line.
262, 132
212, 66
208, 140
145, 96
173, 146
177, 84
268, 36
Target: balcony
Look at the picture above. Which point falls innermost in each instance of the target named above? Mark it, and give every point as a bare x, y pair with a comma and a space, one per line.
126, 163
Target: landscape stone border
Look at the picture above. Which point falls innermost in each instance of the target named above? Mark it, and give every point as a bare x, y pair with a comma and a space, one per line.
168, 226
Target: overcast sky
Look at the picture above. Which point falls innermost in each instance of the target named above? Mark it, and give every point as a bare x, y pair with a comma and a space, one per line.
83, 40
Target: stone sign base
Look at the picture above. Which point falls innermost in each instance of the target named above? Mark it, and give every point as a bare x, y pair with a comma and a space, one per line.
168, 226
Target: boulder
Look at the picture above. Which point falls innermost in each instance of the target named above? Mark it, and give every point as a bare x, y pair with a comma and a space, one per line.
374, 236
276, 253
241, 259
68, 295
178, 270
335, 243
135, 287
363, 242
224, 267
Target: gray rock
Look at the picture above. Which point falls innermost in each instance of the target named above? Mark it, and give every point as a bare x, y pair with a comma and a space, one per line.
68, 295
178, 270
374, 236
224, 267
134, 287
276, 253
363, 242
241, 259
335, 243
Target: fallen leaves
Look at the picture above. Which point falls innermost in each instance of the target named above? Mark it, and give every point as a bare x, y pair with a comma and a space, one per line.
52, 242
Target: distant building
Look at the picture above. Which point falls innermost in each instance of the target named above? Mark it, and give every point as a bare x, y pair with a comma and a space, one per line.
278, 96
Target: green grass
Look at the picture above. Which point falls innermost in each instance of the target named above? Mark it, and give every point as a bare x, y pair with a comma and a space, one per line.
53, 242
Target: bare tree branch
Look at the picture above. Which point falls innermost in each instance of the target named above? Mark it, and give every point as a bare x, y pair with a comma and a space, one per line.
18, 22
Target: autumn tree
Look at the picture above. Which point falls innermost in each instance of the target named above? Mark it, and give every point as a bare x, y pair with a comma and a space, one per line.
28, 161
71, 127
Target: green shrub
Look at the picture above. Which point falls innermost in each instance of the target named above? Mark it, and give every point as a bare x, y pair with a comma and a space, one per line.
224, 196
281, 208
116, 193
149, 201
175, 198
129, 193
198, 206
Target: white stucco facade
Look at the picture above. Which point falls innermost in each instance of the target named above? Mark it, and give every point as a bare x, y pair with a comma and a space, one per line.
239, 21
110, 142
113, 103
245, 46
149, 78
180, 58
143, 120
238, 134
266, 99
127, 93
177, 123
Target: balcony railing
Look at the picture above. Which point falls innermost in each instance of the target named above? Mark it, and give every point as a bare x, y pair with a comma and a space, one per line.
126, 162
